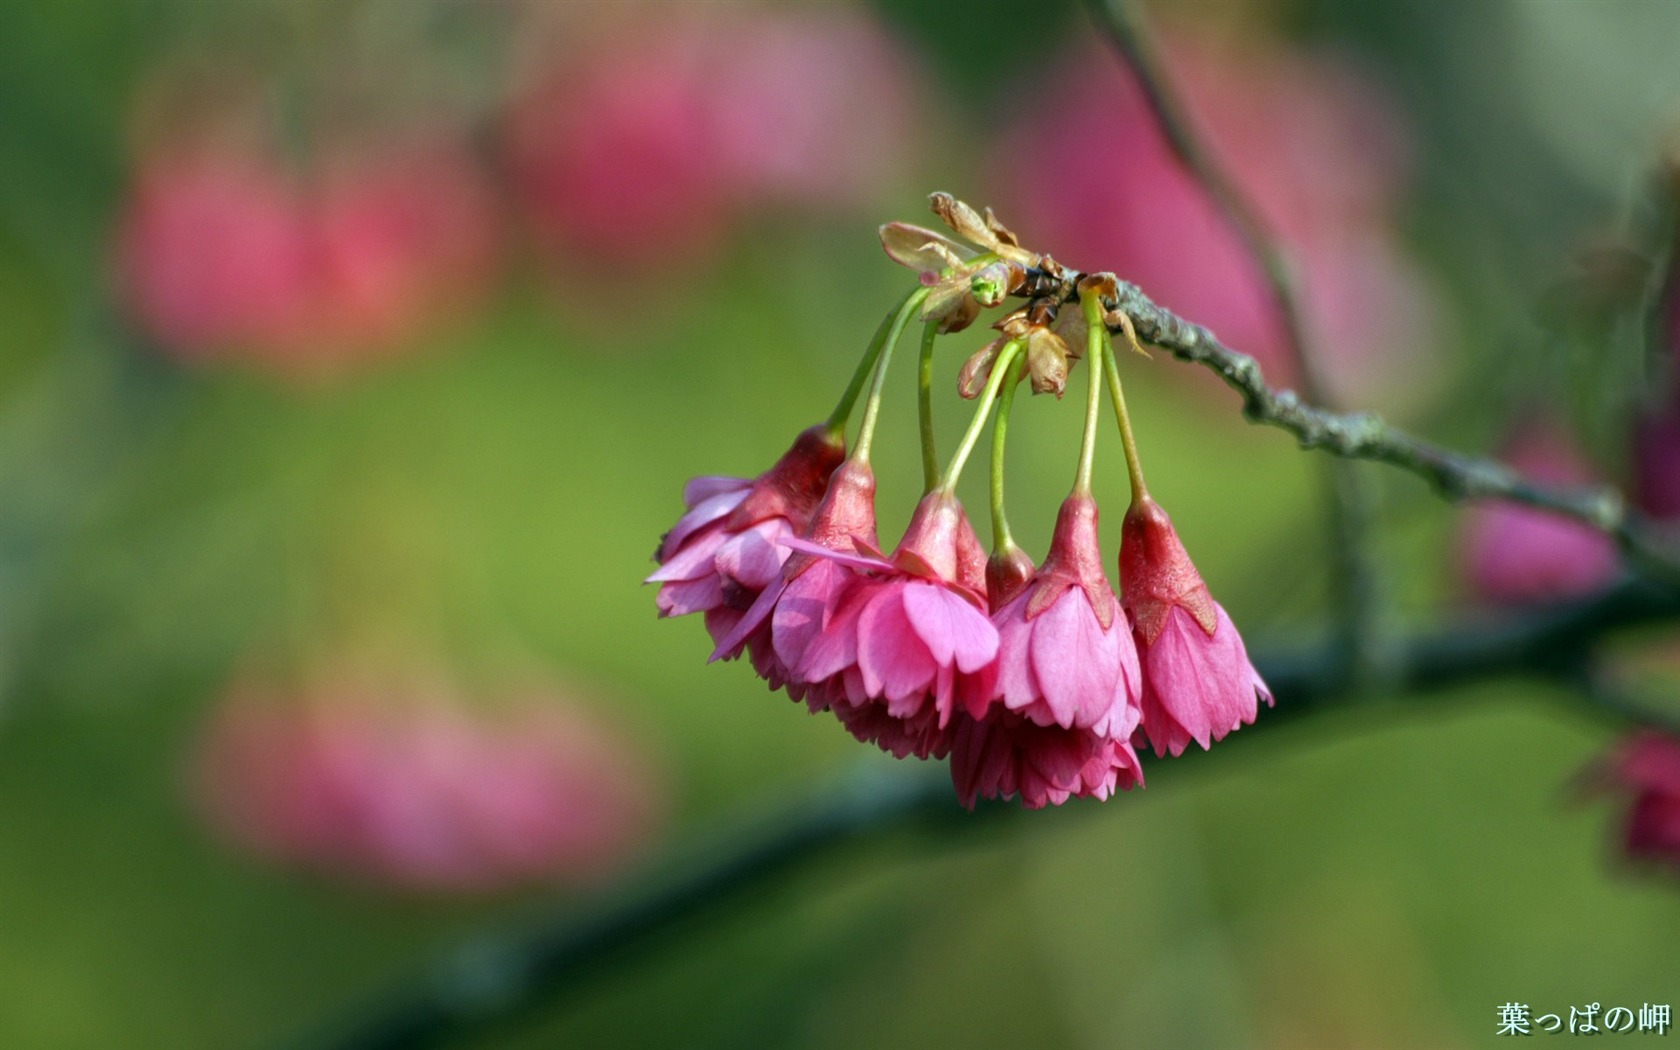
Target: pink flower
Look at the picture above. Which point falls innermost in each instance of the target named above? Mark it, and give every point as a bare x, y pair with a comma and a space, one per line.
1004, 754
1197, 681
1065, 651
886, 643
1517, 554
397, 253
1647, 767
844, 522
729, 547
1308, 140
412, 789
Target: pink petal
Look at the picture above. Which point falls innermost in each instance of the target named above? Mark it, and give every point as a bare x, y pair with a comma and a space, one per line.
805, 608
953, 629
1076, 662
895, 663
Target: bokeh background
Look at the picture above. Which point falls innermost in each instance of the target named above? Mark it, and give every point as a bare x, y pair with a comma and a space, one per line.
354, 358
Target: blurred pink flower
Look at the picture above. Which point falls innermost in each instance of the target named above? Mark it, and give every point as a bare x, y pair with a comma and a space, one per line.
1646, 767
1515, 554
1656, 461
639, 144
1308, 140
421, 792
213, 252
222, 256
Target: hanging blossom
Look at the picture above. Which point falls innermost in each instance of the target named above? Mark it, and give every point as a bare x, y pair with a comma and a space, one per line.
729, 547
1036, 681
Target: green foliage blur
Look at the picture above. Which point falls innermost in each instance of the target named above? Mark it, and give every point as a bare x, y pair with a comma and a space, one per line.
1380, 876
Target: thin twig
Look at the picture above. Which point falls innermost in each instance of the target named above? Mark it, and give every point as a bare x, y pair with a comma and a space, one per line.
1354, 578
1365, 435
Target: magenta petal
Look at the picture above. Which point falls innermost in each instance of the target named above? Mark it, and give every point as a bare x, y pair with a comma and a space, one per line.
753, 558
853, 561
834, 649
755, 616
691, 560
703, 514
804, 610
1075, 661
689, 596
698, 490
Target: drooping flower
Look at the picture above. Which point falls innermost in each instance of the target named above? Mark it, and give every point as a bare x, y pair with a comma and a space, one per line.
1516, 554
1053, 716
812, 586
1198, 683
729, 546
410, 787
1065, 651
1005, 754
1646, 767
889, 643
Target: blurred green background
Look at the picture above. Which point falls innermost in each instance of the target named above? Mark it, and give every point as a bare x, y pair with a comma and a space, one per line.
486, 500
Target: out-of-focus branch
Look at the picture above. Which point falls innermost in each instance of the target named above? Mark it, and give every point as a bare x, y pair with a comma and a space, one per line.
504, 974
1354, 577
500, 975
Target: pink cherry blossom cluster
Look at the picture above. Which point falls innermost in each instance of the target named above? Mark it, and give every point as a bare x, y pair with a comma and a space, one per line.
1038, 682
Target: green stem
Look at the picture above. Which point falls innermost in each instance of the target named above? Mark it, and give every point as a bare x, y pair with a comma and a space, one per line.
843, 411
1000, 367
1001, 538
924, 407
872, 408
1118, 396
1096, 349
